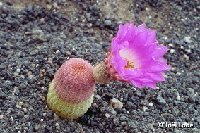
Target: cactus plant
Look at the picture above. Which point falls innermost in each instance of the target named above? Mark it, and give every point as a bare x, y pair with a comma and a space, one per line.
71, 92
135, 57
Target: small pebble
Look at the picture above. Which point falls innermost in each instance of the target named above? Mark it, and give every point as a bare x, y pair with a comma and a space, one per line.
97, 97
107, 22
95, 105
56, 117
18, 70
172, 51
150, 104
188, 50
161, 99
107, 115
191, 91
1, 116
18, 106
115, 103
178, 97
113, 112
187, 39
186, 57
144, 108
57, 124
178, 73
57, 51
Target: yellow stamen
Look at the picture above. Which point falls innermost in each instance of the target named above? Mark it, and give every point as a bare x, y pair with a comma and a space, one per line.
129, 65
129, 56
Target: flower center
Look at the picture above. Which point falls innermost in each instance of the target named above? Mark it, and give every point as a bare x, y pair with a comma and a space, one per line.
128, 55
129, 65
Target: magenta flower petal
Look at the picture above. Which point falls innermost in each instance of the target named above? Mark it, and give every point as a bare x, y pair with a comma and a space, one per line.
136, 57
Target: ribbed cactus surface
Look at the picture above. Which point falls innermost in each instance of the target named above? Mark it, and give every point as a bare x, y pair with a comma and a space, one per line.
65, 109
71, 92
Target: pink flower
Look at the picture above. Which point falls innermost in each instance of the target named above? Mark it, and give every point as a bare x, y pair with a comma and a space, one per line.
136, 57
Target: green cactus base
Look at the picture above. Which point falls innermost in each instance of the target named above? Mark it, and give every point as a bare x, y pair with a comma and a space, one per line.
64, 109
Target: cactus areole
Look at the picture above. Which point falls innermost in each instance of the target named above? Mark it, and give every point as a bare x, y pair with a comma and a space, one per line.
71, 92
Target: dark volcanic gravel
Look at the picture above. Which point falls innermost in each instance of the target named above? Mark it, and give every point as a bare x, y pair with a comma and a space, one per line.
36, 38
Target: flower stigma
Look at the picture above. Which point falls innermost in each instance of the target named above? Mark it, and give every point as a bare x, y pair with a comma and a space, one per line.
130, 58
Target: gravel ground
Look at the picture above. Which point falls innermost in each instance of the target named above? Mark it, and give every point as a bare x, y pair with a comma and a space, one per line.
37, 37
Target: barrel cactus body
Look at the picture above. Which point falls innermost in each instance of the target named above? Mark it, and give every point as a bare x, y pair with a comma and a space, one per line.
71, 92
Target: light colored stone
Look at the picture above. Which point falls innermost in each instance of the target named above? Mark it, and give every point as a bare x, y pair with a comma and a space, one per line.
172, 51
1, 117
113, 112
186, 57
188, 50
115, 103
19, 105
187, 39
144, 108
18, 70
15, 90
57, 51
178, 96
107, 22
107, 115
97, 97
150, 104
56, 117
165, 37
178, 73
